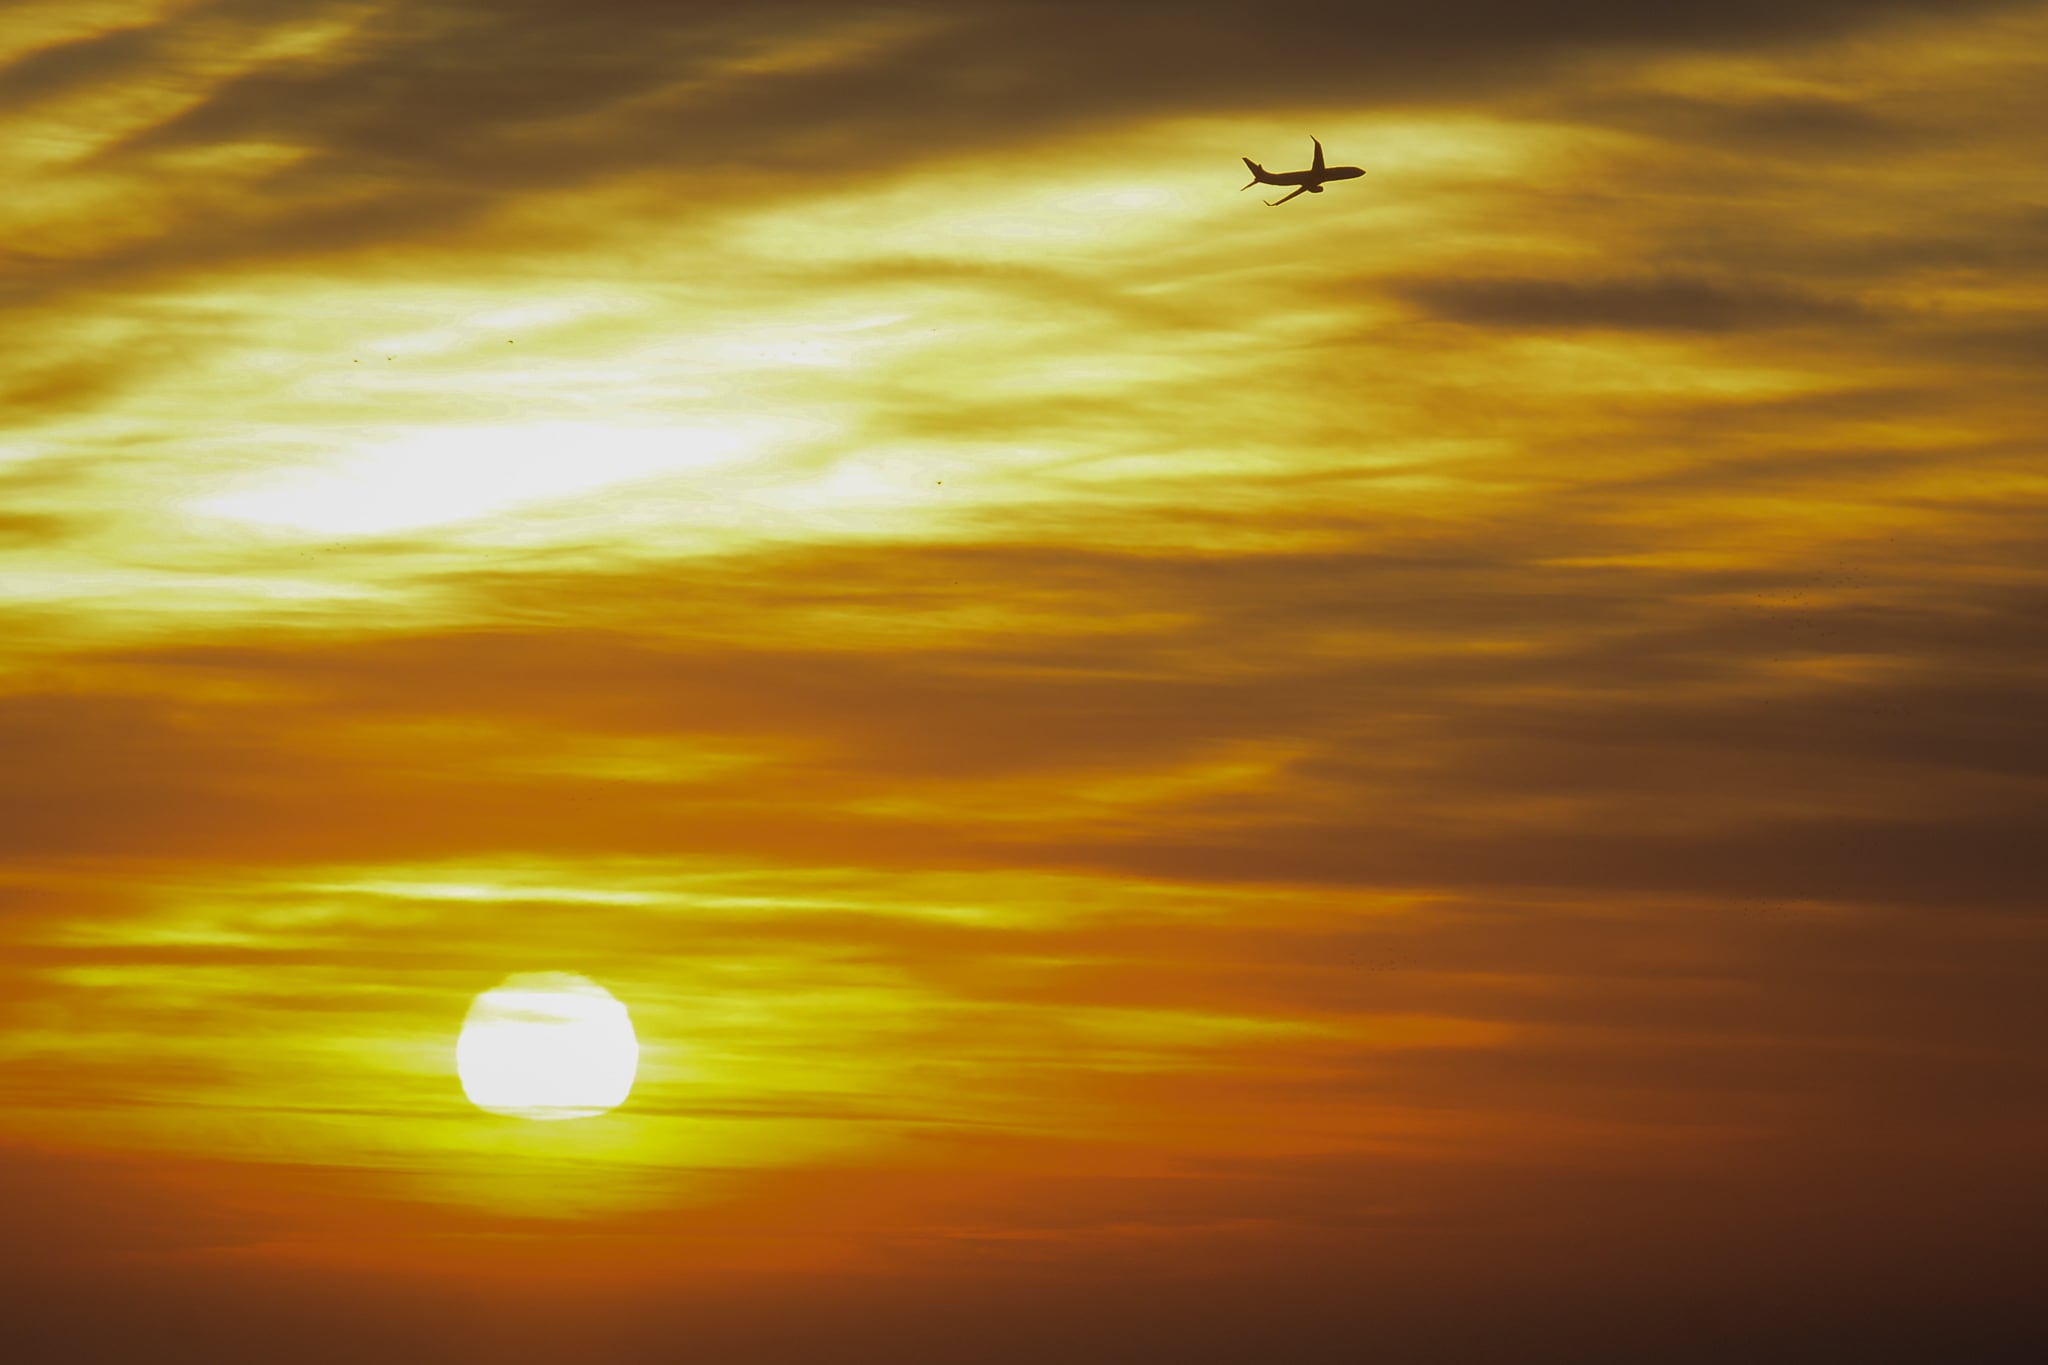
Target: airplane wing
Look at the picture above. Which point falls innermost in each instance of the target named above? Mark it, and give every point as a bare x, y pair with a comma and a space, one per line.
1276, 203
1319, 154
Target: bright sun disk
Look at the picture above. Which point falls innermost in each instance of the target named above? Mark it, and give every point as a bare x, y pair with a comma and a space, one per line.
547, 1045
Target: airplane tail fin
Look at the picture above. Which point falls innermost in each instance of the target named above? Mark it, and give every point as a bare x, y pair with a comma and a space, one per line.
1258, 173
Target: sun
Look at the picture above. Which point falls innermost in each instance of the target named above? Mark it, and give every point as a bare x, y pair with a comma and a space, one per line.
547, 1045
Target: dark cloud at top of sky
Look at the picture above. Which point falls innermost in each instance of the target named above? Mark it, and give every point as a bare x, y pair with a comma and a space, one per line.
472, 85
1651, 303
432, 113
1790, 127
81, 61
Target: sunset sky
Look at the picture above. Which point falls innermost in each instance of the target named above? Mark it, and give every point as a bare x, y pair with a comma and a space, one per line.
1454, 770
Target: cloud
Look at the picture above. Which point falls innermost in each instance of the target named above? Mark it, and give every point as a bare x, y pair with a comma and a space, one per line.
1657, 303
18, 528
1798, 128
54, 70
410, 124
1640, 729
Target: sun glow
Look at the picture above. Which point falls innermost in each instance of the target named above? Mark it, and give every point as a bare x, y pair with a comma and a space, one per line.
439, 477
547, 1045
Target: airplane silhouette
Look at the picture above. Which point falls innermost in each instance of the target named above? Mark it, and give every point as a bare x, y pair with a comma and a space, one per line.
1310, 181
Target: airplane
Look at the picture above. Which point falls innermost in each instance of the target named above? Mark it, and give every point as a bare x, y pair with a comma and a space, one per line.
1311, 180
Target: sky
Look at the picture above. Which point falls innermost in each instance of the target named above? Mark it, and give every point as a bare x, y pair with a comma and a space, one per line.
1452, 770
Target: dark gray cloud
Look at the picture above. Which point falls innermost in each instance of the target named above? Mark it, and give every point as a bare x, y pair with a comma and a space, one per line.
432, 114
1798, 128
1647, 303
105, 56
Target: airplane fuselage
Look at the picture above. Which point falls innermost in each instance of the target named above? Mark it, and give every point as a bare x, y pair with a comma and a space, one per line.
1312, 181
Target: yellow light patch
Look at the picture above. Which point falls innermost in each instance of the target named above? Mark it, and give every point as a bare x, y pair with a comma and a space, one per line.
440, 476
